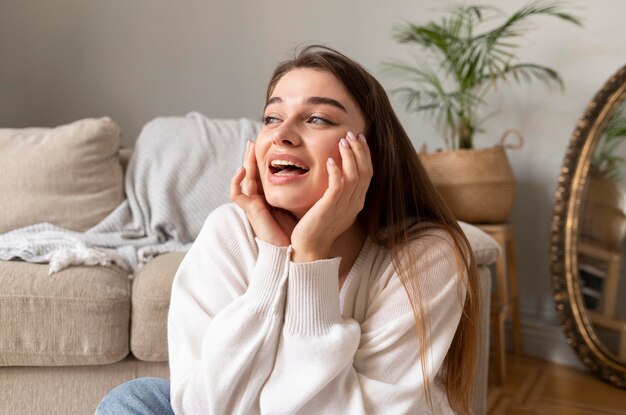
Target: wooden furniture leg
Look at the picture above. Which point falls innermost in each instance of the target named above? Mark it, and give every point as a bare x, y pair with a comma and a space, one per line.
513, 296
505, 300
498, 351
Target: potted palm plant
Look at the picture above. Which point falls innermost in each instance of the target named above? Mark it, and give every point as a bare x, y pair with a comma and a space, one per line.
459, 65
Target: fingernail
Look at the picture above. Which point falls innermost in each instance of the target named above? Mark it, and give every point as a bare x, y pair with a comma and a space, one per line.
351, 136
331, 161
362, 138
344, 143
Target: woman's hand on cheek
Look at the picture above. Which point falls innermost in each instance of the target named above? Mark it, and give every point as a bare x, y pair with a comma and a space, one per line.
271, 225
340, 204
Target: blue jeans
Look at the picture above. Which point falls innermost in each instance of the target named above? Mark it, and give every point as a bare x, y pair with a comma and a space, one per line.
143, 396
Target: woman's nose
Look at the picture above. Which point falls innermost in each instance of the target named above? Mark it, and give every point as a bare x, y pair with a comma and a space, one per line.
286, 135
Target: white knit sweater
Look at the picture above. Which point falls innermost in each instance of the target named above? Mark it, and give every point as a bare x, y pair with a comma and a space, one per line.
251, 332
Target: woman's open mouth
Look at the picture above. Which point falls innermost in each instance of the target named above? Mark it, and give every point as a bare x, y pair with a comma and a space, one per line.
287, 168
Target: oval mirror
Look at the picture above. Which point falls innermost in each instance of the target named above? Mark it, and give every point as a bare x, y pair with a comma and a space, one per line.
588, 249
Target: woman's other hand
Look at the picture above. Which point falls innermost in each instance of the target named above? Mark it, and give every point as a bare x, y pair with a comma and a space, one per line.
340, 204
271, 225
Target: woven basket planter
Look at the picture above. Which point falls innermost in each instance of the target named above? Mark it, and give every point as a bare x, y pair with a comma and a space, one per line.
477, 185
604, 213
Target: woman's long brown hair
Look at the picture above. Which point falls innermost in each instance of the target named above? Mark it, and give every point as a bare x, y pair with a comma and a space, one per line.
401, 203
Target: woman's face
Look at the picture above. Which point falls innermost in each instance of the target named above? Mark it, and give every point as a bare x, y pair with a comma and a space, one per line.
307, 114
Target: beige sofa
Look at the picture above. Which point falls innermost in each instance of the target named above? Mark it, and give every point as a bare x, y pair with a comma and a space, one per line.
68, 338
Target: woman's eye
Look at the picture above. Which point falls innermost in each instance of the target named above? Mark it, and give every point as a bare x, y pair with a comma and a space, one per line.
318, 120
269, 120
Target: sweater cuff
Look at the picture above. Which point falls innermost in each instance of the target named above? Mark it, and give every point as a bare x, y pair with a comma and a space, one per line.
269, 277
312, 297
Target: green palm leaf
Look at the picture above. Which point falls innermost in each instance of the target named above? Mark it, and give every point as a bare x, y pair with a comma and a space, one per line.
460, 65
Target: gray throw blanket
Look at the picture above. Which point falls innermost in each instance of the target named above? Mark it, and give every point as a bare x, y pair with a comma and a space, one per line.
180, 170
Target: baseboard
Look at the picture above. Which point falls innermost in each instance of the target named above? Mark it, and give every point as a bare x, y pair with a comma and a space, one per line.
544, 340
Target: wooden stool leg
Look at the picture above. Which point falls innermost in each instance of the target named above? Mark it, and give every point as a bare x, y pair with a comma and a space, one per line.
517, 331
513, 299
498, 350
502, 286
504, 299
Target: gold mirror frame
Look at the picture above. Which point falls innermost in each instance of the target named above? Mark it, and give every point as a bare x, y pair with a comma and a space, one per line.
564, 234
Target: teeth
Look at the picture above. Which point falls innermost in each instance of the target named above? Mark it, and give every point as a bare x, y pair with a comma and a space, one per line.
284, 163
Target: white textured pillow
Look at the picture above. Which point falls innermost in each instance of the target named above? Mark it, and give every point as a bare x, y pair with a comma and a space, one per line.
69, 175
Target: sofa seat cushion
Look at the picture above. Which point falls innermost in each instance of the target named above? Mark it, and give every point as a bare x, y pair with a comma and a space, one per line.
69, 176
79, 316
152, 288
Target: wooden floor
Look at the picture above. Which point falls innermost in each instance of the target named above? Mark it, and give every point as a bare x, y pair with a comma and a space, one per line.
537, 387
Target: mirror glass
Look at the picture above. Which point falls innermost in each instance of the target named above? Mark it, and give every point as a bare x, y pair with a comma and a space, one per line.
601, 247
588, 235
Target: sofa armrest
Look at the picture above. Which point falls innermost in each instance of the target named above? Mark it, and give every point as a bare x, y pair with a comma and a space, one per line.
486, 251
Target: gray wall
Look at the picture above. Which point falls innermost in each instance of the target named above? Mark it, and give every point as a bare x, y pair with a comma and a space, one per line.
134, 60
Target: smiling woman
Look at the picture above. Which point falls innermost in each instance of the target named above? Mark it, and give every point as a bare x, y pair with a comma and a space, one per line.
337, 281
307, 115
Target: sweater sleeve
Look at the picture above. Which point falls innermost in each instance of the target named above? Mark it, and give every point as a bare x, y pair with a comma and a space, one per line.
327, 363
225, 317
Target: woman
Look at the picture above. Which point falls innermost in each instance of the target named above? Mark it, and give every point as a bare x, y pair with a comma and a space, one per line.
336, 283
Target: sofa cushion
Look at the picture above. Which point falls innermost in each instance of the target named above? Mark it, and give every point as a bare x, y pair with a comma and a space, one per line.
69, 175
79, 316
152, 288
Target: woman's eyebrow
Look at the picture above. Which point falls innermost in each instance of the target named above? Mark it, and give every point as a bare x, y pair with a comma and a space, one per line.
310, 101
327, 101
